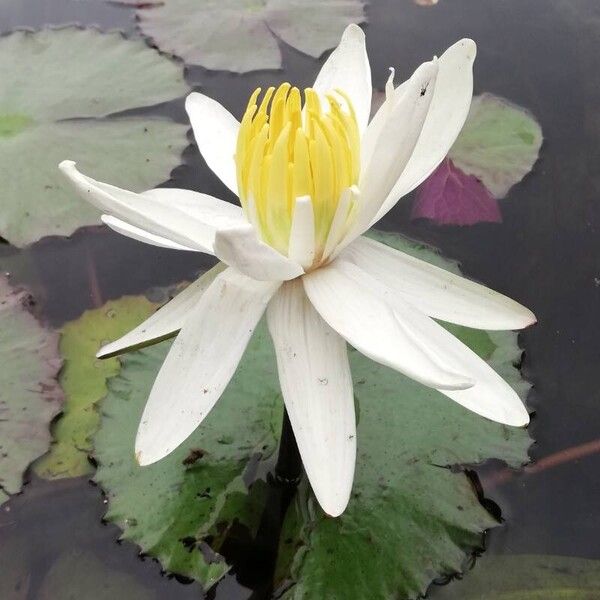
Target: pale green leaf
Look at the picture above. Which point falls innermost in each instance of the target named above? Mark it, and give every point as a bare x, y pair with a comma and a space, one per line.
51, 82
35, 199
239, 36
499, 143
83, 379
70, 72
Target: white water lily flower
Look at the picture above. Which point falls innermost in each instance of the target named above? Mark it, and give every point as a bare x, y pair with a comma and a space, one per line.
312, 176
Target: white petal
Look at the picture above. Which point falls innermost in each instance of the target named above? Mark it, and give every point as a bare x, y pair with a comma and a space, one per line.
394, 145
317, 390
447, 115
166, 321
206, 209
360, 310
132, 208
348, 69
379, 120
201, 362
140, 235
181, 216
437, 292
209, 213
216, 131
302, 235
240, 248
491, 396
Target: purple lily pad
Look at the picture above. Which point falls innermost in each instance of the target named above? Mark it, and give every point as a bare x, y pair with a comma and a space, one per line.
451, 197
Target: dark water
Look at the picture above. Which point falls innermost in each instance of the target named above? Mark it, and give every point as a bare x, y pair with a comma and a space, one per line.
542, 54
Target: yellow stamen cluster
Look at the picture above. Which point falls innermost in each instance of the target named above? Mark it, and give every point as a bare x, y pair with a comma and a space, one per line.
286, 150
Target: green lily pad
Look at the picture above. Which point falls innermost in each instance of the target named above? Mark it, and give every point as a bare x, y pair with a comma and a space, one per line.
240, 36
410, 518
55, 84
83, 380
526, 577
499, 143
30, 396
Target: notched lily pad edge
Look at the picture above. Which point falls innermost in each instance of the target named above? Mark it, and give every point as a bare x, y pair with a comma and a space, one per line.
468, 470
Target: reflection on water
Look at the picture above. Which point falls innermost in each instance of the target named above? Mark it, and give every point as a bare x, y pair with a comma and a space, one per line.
541, 54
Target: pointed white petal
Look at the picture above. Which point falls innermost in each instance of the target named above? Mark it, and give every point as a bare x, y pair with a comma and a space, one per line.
348, 69
181, 216
379, 120
140, 235
209, 213
216, 131
437, 292
302, 235
491, 397
166, 321
132, 208
201, 362
394, 146
240, 248
207, 209
317, 390
392, 333
447, 115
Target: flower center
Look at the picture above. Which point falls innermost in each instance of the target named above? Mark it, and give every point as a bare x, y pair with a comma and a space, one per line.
287, 150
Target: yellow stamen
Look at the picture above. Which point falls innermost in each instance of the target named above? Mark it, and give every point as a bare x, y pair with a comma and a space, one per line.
286, 150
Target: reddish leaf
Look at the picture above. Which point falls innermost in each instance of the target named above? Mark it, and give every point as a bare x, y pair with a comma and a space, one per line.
451, 197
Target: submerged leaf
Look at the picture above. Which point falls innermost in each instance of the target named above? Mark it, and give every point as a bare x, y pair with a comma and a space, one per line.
409, 519
30, 395
240, 36
499, 143
54, 84
451, 197
526, 577
78, 574
83, 380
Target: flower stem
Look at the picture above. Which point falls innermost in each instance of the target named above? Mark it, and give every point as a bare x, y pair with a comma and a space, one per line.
258, 569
